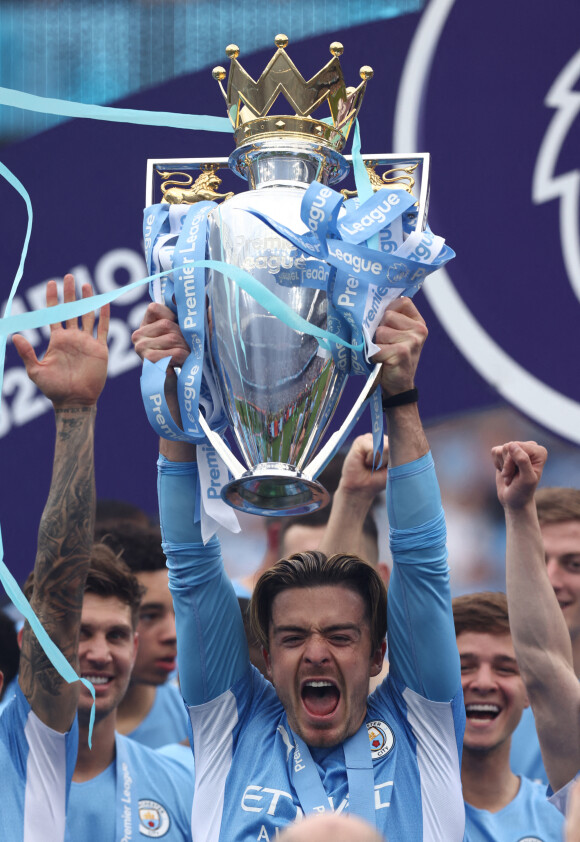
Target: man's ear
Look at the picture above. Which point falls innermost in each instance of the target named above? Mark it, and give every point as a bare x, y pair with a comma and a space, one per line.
135, 645
267, 661
377, 659
384, 572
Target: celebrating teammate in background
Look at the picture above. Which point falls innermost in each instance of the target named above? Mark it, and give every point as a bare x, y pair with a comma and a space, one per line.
541, 617
38, 734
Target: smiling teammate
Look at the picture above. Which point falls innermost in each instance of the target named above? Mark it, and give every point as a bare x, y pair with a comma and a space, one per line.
265, 754
498, 804
119, 786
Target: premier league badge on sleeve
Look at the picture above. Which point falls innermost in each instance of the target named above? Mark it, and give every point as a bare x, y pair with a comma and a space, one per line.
154, 819
381, 738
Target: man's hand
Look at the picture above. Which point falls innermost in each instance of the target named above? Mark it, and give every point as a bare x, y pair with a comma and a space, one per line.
159, 336
518, 470
400, 336
357, 476
73, 371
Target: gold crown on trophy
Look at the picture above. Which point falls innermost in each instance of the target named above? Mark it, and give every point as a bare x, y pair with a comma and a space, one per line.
249, 102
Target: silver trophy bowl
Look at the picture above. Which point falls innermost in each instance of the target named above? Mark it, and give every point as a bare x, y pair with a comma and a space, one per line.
279, 387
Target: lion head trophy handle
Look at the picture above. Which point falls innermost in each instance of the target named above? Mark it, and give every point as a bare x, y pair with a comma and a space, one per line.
186, 191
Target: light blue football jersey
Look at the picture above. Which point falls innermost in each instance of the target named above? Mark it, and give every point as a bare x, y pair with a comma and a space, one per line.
141, 794
36, 766
182, 754
244, 752
9, 693
166, 722
528, 817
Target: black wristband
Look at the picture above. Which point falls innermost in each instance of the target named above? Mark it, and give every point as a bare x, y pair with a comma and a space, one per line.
410, 396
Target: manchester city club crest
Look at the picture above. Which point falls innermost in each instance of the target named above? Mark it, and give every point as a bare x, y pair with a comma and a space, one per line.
381, 738
154, 819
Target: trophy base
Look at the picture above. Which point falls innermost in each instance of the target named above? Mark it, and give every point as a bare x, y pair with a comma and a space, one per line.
274, 489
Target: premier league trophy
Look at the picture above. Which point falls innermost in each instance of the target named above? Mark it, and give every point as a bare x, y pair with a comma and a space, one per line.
296, 278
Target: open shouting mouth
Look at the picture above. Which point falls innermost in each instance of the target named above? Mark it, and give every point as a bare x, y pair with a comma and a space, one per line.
320, 696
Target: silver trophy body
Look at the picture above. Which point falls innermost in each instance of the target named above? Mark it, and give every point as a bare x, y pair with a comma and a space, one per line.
278, 386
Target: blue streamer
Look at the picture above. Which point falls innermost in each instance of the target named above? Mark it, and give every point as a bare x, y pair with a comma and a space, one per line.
66, 108
51, 650
8, 581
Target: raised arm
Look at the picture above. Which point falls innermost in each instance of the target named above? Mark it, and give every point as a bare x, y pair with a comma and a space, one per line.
358, 488
422, 649
71, 374
539, 632
212, 651
400, 337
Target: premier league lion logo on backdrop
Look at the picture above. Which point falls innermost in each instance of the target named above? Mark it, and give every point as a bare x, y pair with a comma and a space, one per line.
496, 104
564, 97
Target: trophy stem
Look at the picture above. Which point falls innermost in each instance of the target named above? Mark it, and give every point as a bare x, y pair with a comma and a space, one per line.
274, 489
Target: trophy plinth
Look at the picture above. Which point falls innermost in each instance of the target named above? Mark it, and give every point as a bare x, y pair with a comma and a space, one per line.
275, 489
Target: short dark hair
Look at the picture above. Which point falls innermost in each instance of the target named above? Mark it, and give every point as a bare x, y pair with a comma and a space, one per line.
484, 612
108, 575
138, 546
314, 569
556, 505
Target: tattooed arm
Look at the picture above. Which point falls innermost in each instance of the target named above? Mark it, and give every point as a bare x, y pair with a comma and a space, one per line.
72, 375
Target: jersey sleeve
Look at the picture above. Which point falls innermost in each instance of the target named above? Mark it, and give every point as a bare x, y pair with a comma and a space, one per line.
422, 647
212, 651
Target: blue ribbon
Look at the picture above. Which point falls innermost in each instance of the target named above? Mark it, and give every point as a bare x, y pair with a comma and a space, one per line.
66, 108
9, 583
189, 286
308, 784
